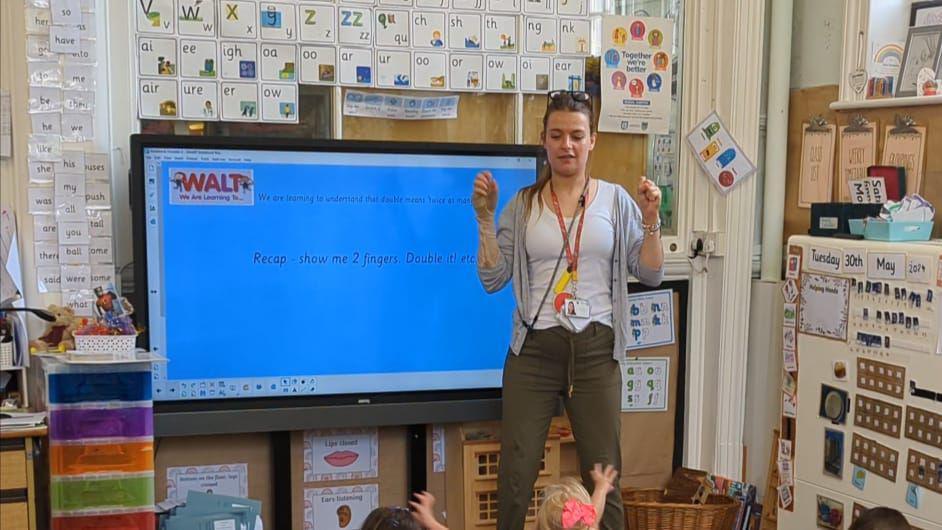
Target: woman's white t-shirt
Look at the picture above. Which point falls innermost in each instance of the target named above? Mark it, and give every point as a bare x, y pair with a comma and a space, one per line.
544, 243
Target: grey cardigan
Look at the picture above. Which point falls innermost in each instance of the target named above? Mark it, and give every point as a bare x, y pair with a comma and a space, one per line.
512, 264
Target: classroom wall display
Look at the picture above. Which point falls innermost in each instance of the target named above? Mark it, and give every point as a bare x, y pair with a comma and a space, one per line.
339, 507
651, 319
718, 153
824, 306
636, 74
645, 383
867, 425
188, 52
69, 191
222, 479
341, 454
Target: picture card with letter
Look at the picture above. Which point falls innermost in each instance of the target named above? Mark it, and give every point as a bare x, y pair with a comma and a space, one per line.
318, 65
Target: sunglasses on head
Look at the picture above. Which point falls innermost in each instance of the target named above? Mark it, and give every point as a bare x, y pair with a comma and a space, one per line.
575, 95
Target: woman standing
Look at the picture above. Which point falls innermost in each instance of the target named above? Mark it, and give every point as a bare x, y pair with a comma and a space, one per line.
567, 238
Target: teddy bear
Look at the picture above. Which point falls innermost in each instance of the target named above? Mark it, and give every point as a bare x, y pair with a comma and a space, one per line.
59, 334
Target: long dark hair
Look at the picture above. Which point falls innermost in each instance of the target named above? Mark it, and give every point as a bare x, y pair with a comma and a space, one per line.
563, 102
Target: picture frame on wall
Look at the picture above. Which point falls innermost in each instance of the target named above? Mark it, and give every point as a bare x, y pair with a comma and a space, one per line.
923, 50
925, 13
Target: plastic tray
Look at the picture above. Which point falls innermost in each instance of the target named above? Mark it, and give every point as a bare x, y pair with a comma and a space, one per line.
857, 226
127, 457
118, 521
110, 386
79, 424
107, 493
898, 231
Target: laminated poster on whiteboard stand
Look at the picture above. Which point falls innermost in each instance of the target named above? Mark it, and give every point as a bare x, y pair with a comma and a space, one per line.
719, 155
651, 319
645, 384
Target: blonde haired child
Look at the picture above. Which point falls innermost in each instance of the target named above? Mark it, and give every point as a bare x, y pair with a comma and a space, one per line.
566, 506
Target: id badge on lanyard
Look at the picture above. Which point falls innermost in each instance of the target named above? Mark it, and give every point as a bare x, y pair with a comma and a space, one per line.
572, 312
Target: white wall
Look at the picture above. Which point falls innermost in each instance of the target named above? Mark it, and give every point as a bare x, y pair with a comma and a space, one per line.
764, 374
818, 28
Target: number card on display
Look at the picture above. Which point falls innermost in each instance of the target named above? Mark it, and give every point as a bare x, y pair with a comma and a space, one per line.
645, 381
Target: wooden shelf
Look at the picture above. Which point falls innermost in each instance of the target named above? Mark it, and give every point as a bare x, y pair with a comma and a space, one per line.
40, 430
887, 103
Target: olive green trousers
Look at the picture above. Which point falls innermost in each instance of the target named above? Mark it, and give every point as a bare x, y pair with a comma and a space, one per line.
578, 367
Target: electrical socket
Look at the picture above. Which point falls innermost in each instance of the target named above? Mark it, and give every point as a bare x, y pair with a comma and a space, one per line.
708, 240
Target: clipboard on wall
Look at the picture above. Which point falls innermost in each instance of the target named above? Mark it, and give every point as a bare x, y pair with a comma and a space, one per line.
904, 145
858, 151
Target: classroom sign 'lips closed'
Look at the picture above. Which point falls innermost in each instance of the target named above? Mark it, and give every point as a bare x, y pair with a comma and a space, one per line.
230, 187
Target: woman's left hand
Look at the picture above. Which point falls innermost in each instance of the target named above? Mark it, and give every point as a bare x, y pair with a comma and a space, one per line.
649, 199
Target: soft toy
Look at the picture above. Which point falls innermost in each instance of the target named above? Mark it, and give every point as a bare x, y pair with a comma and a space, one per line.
59, 334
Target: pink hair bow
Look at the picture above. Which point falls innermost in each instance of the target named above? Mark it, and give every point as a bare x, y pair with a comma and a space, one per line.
575, 512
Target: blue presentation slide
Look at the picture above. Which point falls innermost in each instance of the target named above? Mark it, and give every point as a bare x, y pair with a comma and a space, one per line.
360, 264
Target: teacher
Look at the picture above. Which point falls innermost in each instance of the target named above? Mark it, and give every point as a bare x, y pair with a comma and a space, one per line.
566, 238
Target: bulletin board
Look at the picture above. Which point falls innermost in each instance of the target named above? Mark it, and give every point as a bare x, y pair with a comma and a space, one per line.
240, 60
809, 102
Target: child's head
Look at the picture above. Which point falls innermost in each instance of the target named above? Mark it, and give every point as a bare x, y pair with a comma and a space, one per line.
880, 519
390, 519
570, 499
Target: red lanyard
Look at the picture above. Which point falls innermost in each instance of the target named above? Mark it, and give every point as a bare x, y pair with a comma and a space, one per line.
572, 254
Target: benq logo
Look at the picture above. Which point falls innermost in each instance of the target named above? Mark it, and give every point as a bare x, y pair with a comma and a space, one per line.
212, 186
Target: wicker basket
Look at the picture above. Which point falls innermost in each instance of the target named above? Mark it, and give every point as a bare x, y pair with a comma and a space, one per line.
645, 510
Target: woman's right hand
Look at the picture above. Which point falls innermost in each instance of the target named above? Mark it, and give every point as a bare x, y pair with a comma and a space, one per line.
484, 196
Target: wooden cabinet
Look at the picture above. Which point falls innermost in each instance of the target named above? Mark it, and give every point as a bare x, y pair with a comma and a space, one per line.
17, 479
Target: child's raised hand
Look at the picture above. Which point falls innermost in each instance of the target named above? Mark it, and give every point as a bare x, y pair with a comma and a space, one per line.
424, 511
604, 478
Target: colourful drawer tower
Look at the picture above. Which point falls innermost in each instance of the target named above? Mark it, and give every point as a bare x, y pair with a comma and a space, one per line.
101, 438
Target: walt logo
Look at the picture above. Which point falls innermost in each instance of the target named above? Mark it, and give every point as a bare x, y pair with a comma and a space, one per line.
226, 187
